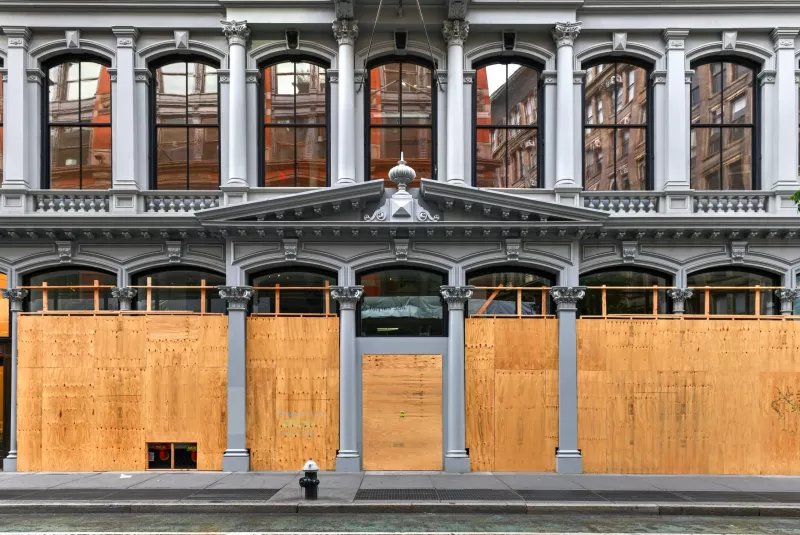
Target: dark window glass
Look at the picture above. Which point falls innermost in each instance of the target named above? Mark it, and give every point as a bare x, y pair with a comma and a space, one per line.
623, 301
186, 104
159, 456
619, 127
293, 301
295, 125
402, 302
507, 131
730, 302
179, 299
400, 119
1, 134
185, 456
504, 302
71, 299
5, 310
723, 126
78, 133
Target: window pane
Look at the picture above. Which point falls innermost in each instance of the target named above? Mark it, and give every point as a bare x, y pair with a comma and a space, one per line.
416, 94
732, 301
384, 152
599, 162
523, 91
738, 94
71, 299
64, 93
310, 86
203, 102
600, 95
737, 154
623, 301
278, 108
417, 151
522, 168
171, 158
484, 98
179, 299
491, 165
312, 148
171, 90
204, 158
65, 157
706, 105
631, 153
634, 110
706, 160
96, 157
385, 94
294, 301
279, 156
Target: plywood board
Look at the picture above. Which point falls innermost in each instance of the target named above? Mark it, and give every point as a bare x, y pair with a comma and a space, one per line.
689, 397
292, 392
402, 412
91, 401
512, 393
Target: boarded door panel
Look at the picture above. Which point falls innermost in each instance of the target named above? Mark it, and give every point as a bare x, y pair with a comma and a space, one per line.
402, 416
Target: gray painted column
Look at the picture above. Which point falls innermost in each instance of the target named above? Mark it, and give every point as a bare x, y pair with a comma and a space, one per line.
455, 33
455, 456
785, 105
787, 297
237, 34
346, 32
124, 112
348, 459
677, 121
125, 295
17, 173
679, 297
236, 457
568, 456
16, 296
564, 35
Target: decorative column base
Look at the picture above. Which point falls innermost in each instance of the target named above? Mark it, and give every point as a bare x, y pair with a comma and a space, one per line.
236, 461
456, 462
10, 462
348, 461
569, 462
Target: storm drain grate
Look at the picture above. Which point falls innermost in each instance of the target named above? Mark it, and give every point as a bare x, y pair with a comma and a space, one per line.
560, 495
396, 494
150, 494
67, 494
234, 494
640, 496
477, 494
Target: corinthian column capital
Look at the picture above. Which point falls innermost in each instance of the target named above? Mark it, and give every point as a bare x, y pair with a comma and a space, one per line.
16, 297
565, 33
236, 32
455, 31
345, 31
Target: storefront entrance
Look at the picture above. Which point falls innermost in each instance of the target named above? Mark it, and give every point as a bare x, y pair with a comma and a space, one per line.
402, 412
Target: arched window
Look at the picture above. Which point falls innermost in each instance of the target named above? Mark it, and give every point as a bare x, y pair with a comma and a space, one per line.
181, 298
507, 96
635, 301
616, 126
402, 302
309, 296
295, 124
488, 299
66, 296
723, 141
401, 118
76, 138
185, 125
731, 302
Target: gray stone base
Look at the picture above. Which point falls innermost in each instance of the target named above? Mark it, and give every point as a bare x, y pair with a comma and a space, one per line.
10, 464
236, 461
349, 462
569, 462
456, 465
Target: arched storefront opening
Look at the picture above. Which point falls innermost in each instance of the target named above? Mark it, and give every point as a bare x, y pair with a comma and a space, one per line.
72, 289
732, 302
181, 298
402, 302
624, 301
5, 369
293, 291
496, 292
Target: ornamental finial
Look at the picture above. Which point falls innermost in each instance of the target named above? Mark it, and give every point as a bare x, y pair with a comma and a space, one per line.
402, 175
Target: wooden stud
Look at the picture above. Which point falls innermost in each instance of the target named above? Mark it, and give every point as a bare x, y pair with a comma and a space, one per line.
489, 301
758, 300
519, 303
45, 304
96, 295
277, 299
707, 303
203, 296
149, 294
655, 300
604, 307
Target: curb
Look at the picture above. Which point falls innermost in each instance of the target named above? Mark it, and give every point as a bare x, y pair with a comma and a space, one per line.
519, 507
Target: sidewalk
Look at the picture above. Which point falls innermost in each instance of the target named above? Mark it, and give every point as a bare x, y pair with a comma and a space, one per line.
374, 492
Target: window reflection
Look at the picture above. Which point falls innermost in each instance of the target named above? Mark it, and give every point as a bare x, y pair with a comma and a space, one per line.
624, 301
722, 144
180, 298
187, 126
492, 302
79, 125
70, 298
401, 119
402, 302
615, 131
731, 302
297, 301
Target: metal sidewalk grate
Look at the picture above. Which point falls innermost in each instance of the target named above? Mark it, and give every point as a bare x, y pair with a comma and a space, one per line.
397, 494
560, 496
234, 494
66, 495
478, 494
644, 496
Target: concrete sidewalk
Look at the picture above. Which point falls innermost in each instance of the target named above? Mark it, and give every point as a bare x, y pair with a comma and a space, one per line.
279, 492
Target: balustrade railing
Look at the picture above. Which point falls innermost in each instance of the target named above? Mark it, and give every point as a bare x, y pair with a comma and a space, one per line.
180, 202
82, 202
730, 202
628, 202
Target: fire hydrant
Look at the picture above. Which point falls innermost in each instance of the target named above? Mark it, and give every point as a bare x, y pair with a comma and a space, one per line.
310, 481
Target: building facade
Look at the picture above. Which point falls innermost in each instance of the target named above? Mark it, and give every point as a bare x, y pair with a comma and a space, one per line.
402, 173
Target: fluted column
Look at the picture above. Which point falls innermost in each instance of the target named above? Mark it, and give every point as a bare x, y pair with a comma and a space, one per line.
237, 457
564, 36
676, 169
346, 33
787, 297
679, 297
237, 34
16, 296
455, 33
455, 457
568, 456
349, 457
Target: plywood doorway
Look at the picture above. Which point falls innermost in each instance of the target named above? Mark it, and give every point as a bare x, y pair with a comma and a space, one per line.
402, 416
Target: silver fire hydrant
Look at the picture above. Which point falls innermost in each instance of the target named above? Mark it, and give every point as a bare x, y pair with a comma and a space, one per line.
309, 481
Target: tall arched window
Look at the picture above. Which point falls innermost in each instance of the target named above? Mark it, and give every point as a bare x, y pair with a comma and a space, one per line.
306, 294
77, 133
185, 125
295, 124
67, 296
723, 139
402, 302
732, 302
401, 118
508, 101
634, 301
181, 298
488, 299
616, 132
